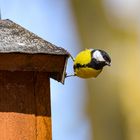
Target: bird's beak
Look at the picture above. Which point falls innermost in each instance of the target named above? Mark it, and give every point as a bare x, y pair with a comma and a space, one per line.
107, 63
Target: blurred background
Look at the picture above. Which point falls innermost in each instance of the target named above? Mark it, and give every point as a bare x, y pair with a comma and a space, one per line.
105, 108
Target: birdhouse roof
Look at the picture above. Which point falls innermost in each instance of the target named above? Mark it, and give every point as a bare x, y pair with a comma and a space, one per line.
18, 41
14, 38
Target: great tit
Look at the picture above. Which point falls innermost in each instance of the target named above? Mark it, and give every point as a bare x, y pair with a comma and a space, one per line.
90, 62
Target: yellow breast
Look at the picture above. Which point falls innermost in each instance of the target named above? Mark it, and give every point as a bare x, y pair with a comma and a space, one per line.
87, 72
84, 57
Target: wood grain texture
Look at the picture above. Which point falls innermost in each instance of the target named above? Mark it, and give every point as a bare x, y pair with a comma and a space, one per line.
25, 112
43, 112
34, 62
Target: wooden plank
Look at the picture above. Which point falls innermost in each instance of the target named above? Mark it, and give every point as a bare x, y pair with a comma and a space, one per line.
17, 106
31, 62
34, 62
25, 106
43, 111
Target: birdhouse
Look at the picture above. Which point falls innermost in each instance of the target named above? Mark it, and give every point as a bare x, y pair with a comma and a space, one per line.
27, 62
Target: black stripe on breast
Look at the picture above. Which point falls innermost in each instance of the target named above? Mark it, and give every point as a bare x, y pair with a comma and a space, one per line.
93, 64
78, 65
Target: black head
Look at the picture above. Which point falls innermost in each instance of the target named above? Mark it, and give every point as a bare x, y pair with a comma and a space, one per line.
106, 57
99, 59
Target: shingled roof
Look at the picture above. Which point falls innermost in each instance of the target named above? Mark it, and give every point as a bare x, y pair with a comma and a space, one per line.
15, 39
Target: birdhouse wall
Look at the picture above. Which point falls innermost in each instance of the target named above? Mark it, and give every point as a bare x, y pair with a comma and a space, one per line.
25, 106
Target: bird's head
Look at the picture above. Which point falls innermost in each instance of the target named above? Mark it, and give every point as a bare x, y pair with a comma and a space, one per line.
100, 59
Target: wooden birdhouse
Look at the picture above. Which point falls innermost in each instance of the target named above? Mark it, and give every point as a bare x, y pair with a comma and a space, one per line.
27, 62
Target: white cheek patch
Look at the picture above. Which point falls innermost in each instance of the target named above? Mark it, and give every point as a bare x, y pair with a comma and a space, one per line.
98, 56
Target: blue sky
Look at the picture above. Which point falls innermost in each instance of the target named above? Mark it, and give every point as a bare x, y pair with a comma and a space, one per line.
53, 21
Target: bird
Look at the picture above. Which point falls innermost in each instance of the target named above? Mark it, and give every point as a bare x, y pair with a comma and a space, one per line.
89, 63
